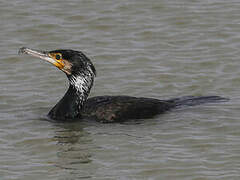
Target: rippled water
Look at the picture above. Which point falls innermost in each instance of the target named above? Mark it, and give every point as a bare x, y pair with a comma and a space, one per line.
159, 49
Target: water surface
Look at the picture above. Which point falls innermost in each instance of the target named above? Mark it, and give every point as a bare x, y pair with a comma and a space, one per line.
160, 49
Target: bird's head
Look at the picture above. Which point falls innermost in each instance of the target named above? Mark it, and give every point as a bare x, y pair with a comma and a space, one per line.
71, 62
78, 68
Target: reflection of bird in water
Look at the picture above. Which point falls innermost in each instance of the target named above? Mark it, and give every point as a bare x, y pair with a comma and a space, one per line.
75, 103
73, 146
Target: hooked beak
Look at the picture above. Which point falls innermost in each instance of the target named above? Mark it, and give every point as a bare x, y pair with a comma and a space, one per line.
42, 55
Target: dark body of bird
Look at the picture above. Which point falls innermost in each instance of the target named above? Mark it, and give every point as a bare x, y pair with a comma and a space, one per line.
75, 104
120, 108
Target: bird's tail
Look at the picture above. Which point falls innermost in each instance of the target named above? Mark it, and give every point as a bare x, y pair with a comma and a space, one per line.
196, 100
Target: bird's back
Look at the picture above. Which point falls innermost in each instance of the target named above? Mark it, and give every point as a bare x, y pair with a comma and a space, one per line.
120, 108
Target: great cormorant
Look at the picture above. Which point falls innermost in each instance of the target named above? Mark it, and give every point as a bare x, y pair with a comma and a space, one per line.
75, 104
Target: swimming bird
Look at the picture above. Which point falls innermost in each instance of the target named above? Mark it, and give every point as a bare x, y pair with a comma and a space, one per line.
75, 104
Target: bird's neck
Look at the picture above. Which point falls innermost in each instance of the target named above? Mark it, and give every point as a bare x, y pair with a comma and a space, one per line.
70, 106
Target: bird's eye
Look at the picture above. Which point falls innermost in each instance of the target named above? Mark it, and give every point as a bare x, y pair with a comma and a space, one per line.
58, 56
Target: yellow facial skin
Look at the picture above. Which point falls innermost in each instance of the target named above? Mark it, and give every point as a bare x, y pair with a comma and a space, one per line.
59, 62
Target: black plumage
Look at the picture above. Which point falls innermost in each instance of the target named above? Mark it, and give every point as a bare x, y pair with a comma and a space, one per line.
75, 104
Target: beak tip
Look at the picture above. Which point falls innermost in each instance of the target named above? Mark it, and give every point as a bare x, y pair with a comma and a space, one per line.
22, 50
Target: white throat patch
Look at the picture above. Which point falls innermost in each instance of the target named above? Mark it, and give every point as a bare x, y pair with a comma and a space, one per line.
82, 83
